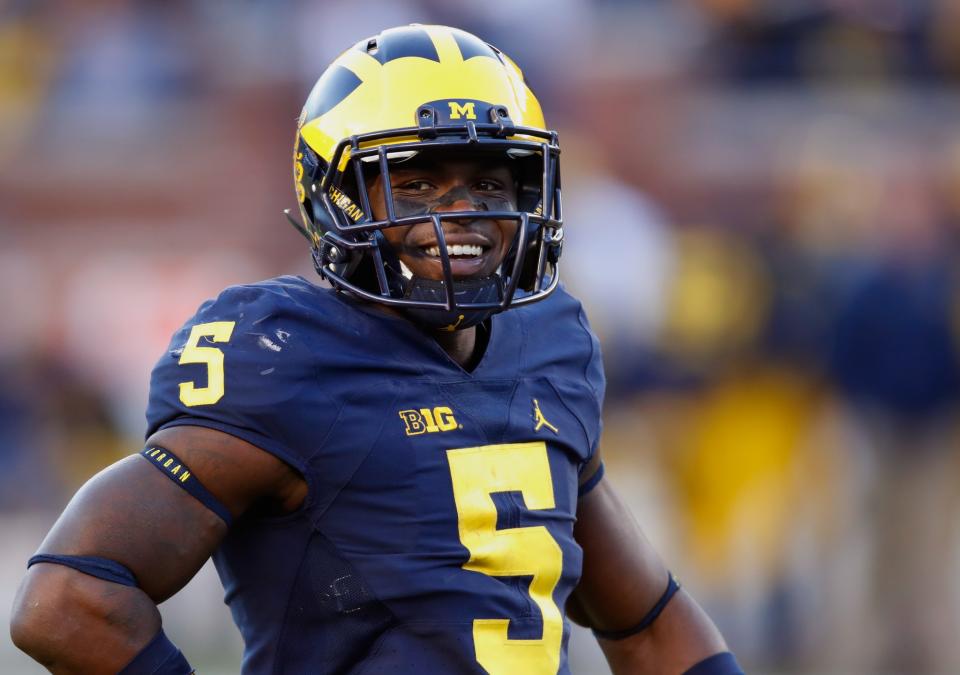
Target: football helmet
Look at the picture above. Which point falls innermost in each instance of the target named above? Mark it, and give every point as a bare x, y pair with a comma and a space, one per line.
426, 90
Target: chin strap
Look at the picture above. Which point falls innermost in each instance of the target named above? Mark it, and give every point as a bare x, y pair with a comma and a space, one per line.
466, 291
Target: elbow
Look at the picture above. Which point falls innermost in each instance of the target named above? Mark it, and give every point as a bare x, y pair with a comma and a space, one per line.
39, 602
59, 612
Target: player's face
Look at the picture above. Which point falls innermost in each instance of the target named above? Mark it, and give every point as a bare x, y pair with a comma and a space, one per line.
476, 247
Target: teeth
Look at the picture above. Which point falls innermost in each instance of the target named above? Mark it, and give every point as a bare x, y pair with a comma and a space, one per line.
469, 250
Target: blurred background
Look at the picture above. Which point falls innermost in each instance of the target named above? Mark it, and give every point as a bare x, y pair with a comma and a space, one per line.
762, 202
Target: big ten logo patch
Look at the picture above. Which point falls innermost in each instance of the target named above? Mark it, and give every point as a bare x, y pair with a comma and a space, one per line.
428, 421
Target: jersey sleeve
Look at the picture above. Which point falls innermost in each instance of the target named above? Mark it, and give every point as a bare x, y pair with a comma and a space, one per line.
243, 365
596, 380
562, 346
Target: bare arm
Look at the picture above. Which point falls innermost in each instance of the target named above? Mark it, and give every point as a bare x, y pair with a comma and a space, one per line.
130, 513
623, 577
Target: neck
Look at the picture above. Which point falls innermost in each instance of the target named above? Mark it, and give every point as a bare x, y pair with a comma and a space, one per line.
465, 346
461, 345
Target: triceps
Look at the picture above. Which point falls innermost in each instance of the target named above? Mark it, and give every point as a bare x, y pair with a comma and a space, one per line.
131, 514
623, 576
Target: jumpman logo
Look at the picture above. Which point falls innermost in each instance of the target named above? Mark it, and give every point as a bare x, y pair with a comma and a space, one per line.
453, 326
541, 420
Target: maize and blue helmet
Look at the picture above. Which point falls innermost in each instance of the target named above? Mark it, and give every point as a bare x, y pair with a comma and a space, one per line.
424, 90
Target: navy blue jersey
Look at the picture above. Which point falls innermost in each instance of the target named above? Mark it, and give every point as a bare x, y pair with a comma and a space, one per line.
437, 535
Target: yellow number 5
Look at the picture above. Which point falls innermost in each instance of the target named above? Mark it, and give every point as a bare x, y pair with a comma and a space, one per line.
217, 331
519, 551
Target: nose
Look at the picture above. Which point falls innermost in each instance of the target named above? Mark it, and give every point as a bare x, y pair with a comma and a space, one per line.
459, 205
458, 198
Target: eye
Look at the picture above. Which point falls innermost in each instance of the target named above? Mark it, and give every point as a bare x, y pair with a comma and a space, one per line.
488, 185
417, 185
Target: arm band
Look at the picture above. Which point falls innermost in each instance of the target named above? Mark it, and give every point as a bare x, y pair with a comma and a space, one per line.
102, 568
718, 664
672, 588
177, 471
159, 657
592, 482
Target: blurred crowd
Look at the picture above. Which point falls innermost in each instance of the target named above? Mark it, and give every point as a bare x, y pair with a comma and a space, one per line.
762, 202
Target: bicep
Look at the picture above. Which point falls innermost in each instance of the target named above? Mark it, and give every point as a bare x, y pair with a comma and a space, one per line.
622, 574
623, 579
133, 514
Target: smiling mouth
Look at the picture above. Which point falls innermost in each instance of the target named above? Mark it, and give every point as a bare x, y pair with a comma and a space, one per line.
456, 251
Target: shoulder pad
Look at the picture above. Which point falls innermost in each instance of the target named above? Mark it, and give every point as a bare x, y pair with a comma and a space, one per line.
246, 364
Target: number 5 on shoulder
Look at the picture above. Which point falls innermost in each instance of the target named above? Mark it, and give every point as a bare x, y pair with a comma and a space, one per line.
216, 331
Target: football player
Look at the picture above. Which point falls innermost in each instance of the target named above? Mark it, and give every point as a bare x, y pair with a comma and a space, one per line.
399, 474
